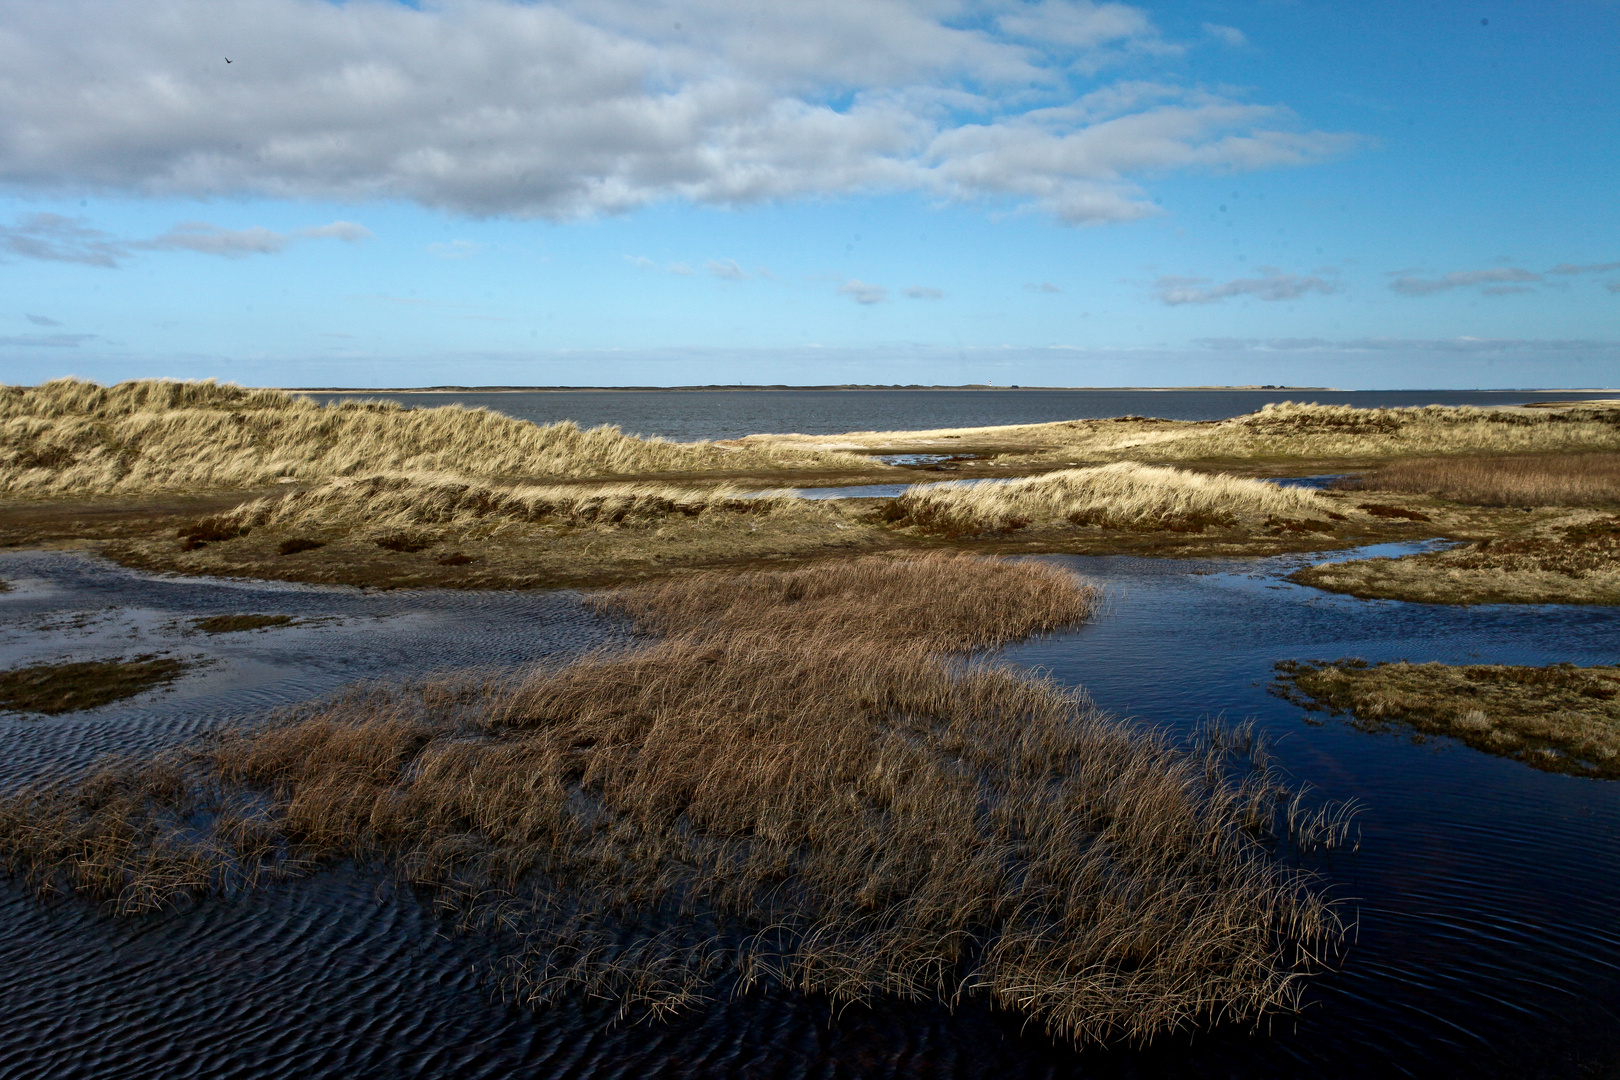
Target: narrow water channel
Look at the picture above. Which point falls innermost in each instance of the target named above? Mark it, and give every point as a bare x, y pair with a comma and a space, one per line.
1484, 893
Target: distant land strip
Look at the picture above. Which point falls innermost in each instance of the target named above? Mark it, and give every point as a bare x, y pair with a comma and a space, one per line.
784, 386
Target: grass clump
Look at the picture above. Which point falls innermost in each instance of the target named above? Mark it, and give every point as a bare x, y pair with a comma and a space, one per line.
1118, 496
73, 437
1560, 718
803, 782
1517, 480
393, 508
234, 624
54, 689
1575, 563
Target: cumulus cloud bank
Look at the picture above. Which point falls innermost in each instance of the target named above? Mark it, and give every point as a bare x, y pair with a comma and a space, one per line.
579, 107
1497, 281
1274, 285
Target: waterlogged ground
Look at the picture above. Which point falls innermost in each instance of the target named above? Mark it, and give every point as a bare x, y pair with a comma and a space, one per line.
1483, 891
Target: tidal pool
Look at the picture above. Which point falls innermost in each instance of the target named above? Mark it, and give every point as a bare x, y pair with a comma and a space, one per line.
1483, 893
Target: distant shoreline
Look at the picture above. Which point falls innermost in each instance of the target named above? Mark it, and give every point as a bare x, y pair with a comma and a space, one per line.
892, 387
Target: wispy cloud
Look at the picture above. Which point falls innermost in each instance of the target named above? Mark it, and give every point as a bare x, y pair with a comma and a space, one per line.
863, 293
55, 238
455, 249
726, 268
1042, 287
1590, 268
1459, 345
1496, 276
46, 341
1274, 285
924, 292
1226, 35
42, 320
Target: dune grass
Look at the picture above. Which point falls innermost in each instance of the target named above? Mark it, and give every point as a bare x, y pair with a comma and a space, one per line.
1514, 480
802, 782
72, 437
1278, 433
1118, 496
55, 689
1559, 718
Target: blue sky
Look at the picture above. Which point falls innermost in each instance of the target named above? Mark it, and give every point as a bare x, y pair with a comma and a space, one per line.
612, 192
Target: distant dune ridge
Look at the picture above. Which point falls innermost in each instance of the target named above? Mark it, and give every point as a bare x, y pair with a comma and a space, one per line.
73, 437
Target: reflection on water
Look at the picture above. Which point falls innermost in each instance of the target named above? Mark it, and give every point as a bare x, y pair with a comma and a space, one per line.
1485, 892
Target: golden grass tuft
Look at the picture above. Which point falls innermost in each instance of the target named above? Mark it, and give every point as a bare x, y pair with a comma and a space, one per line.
800, 785
1118, 496
1520, 480
386, 503
1560, 718
73, 437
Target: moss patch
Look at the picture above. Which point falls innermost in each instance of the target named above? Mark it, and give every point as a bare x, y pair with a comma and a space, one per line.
1559, 718
54, 689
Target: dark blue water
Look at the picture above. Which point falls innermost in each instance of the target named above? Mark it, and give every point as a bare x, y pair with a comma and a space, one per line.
1485, 893
689, 415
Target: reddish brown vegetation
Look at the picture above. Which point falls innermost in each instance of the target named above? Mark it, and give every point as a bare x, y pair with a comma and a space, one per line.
798, 784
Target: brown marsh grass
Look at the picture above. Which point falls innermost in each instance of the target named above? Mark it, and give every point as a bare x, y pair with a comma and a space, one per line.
1123, 495
780, 791
73, 437
1559, 718
1521, 480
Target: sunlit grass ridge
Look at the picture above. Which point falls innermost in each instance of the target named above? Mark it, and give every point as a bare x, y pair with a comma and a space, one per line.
69, 436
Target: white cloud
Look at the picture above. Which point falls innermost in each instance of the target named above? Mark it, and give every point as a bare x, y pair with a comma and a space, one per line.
1612, 286
862, 293
1226, 35
1498, 276
681, 269
42, 320
726, 268
1274, 285
581, 107
1042, 287
924, 292
641, 262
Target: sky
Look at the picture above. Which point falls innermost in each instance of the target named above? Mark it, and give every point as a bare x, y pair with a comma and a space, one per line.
1365, 195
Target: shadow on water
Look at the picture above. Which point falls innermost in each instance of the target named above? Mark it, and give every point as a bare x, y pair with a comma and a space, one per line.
1485, 891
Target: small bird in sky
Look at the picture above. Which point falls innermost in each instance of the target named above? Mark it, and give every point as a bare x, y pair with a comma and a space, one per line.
227, 59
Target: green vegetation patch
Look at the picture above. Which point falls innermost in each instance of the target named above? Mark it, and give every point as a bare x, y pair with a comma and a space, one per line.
1560, 718
230, 624
54, 689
